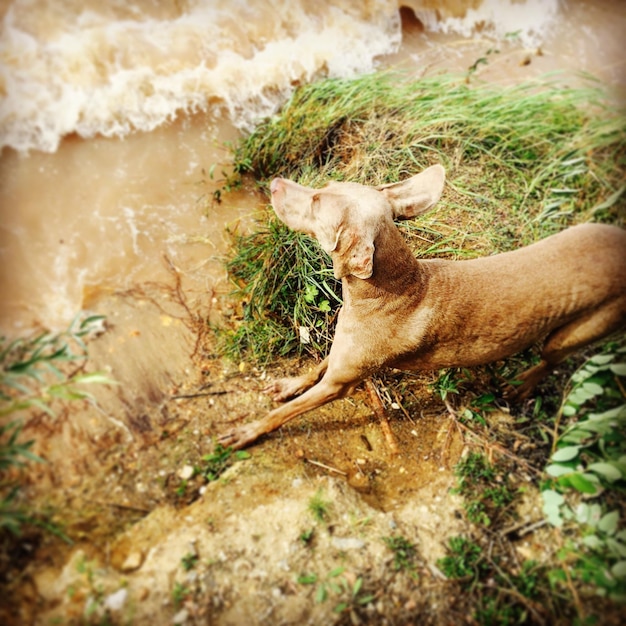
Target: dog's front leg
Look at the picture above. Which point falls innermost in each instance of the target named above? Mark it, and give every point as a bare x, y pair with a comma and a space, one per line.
286, 388
325, 391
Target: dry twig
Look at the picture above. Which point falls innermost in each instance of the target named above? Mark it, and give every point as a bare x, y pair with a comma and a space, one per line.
381, 414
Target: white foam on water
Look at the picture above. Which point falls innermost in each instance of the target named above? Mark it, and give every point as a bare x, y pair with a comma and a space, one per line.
529, 20
109, 72
108, 68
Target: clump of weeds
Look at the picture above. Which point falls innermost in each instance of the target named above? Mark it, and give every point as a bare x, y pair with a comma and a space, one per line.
208, 469
346, 592
485, 489
404, 552
498, 593
319, 507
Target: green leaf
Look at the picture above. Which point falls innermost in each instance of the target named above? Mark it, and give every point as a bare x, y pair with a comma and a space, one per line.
341, 607
593, 388
619, 569
556, 469
553, 516
310, 293
94, 378
616, 547
335, 588
570, 409
579, 482
307, 579
616, 413
583, 512
608, 523
552, 498
607, 470
619, 369
321, 594
601, 359
566, 454
593, 542
366, 599
337, 572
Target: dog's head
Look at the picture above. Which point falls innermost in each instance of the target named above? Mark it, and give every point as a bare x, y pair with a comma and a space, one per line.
346, 217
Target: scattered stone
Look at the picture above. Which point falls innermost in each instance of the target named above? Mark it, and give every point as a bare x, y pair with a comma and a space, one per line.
133, 561
185, 472
181, 617
116, 601
359, 481
347, 543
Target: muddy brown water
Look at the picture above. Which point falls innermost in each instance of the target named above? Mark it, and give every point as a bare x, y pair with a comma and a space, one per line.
112, 225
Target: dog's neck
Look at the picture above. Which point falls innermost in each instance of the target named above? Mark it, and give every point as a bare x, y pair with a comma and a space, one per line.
396, 270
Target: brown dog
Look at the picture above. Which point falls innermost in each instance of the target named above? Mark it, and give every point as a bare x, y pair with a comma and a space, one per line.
568, 290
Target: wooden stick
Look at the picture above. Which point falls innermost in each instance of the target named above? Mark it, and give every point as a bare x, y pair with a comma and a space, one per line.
326, 467
381, 414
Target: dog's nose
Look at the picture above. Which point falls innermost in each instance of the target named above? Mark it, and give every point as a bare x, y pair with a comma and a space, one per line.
275, 185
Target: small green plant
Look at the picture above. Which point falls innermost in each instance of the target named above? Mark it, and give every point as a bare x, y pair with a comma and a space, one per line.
463, 559
404, 552
13, 453
319, 507
356, 597
500, 596
189, 561
336, 585
478, 407
590, 459
216, 463
94, 606
180, 593
484, 60
486, 492
230, 181
210, 468
591, 451
33, 375
306, 536
448, 382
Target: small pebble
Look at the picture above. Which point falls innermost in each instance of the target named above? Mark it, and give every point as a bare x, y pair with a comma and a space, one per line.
186, 472
115, 601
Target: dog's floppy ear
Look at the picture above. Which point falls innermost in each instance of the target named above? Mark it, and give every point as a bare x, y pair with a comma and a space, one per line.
416, 194
354, 254
350, 247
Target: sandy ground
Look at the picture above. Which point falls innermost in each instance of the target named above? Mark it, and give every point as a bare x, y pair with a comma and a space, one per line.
118, 484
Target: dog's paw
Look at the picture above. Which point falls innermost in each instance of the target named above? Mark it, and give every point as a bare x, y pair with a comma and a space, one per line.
285, 388
239, 437
273, 389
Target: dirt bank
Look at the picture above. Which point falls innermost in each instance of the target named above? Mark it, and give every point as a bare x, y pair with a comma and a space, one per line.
118, 480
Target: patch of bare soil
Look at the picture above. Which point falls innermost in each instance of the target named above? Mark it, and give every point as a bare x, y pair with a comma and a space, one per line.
294, 534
